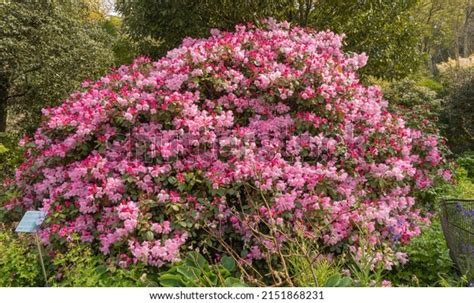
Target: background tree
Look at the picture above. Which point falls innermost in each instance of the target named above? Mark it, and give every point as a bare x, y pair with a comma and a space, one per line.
447, 29
46, 49
124, 48
467, 27
385, 30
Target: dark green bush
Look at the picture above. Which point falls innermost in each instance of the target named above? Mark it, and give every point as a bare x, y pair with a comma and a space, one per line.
417, 103
11, 155
458, 114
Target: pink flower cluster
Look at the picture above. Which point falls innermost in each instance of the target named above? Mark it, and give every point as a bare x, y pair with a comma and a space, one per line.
265, 123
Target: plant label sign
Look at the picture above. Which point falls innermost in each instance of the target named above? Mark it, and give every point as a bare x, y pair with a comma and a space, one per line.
31, 221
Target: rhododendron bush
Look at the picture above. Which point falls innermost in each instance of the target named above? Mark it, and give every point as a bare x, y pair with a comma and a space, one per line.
235, 143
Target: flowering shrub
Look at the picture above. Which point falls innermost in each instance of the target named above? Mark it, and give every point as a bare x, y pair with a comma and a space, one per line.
223, 144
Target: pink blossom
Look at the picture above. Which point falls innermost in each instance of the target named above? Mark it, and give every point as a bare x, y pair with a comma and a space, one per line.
274, 118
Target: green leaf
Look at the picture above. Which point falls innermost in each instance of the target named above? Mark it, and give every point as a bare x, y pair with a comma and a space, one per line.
149, 236
190, 272
332, 281
212, 277
169, 280
172, 180
3, 149
233, 282
228, 263
344, 282
101, 270
196, 259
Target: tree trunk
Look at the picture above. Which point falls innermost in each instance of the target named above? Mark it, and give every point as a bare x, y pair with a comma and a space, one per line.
3, 102
456, 41
465, 33
456, 51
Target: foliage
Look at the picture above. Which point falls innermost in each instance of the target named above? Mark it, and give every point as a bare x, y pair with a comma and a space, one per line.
308, 266
418, 104
195, 271
19, 263
232, 144
466, 161
464, 188
385, 30
46, 50
123, 47
429, 263
78, 266
338, 280
320, 272
430, 83
458, 114
10, 155
453, 76
455, 65
447, 28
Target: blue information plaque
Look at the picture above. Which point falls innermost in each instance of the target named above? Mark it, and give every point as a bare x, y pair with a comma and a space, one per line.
31, 221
